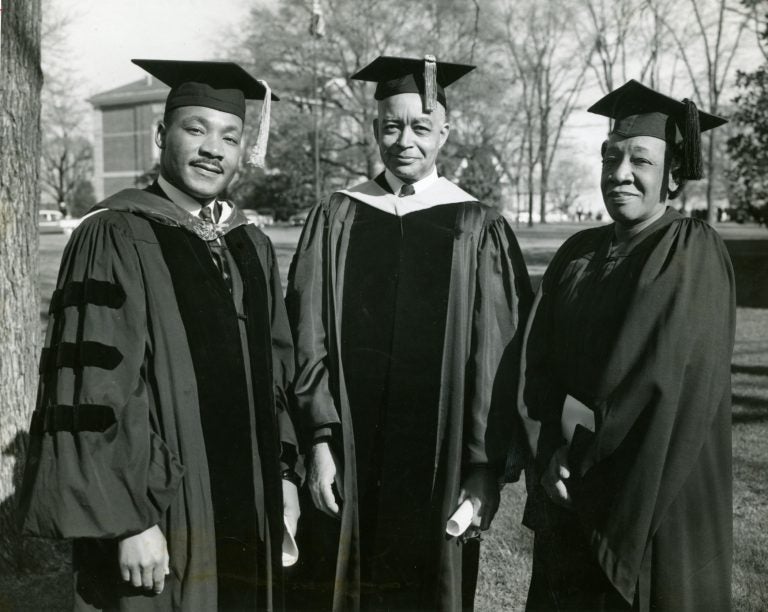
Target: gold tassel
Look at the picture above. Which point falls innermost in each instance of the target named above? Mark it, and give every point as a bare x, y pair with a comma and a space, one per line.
430, 83
259, 151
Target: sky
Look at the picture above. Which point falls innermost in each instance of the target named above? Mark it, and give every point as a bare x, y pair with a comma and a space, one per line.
103, 35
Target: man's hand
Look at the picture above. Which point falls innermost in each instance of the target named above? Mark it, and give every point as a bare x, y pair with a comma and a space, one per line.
552, 480
482, 489
143, 559
291, 510
321, 474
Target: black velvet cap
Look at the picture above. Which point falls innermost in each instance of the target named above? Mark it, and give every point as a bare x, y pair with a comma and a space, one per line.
641, 111
223, 86
397, 75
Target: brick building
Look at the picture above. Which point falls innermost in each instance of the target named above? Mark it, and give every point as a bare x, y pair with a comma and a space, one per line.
125, 121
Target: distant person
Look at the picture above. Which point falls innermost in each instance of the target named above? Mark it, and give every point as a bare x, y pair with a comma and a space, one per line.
406, 296
627, 383
161, 442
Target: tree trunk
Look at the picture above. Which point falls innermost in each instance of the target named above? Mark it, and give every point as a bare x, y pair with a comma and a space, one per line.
20, 82
543, 157
543, 188
530, 195
711, 208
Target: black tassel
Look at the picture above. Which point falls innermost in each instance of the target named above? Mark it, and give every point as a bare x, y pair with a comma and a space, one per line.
692, 165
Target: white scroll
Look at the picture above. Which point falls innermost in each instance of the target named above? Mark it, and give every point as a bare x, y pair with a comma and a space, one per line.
290, 550
460, 519
575, 413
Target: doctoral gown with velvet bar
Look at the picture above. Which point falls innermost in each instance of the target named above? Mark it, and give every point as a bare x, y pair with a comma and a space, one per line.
641, 332
162, 401
406, 333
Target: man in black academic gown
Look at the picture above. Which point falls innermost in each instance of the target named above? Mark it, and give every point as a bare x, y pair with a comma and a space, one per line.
161, 433
627, 385
405, 297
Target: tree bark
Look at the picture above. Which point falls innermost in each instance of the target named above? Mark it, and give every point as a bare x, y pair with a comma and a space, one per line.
711, 207
530, 195
20, 83
543, 189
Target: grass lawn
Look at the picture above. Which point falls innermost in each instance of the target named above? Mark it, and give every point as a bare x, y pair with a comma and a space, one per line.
506, 559
505, 563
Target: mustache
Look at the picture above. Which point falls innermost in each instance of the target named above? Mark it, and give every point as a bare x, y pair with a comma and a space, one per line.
207, 162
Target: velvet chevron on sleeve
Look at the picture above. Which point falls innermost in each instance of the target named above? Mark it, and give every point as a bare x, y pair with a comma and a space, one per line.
94, 481
164, 401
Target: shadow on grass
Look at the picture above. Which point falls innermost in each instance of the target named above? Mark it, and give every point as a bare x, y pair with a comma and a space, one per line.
750, 402
750, 266
749, 408
749, 369
36, 573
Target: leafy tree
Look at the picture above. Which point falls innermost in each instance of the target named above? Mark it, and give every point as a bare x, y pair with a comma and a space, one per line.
67, 152
714, 35
319, 99
83, 198
551, 74
749, 147
67, 163
475, 168
148, 177
570, 177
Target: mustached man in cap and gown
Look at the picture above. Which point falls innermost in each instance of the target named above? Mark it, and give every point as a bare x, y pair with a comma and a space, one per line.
161, 433
627, 385
406, 296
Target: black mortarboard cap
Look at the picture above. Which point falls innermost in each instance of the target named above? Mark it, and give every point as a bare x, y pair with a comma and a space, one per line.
638, 110
427, 77
223, 86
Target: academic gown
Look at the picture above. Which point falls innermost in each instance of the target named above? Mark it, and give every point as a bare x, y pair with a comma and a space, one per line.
406, 334
641, 332
162, 401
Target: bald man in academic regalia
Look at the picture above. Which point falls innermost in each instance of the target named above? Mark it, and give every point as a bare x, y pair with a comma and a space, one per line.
161, 442
627, 385
406, 296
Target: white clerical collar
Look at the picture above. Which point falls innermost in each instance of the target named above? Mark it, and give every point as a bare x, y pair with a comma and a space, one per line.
395, 183
188, 203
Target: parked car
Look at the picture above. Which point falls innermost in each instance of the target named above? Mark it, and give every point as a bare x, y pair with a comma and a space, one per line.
68, 224
49, 221
299, 218
257, 218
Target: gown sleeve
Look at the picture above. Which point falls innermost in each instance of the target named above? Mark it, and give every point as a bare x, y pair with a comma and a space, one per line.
667, 379
282, 363
542, 397
494, 433
307, 309
95, 466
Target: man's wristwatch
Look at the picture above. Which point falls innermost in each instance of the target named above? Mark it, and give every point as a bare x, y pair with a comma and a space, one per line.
291, 476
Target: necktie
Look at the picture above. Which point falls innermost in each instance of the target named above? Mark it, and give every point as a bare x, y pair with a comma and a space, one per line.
216, 247
211, 216
406, 190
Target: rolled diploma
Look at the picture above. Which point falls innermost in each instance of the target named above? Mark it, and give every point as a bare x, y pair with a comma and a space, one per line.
290, 550
460, 519
575, 413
